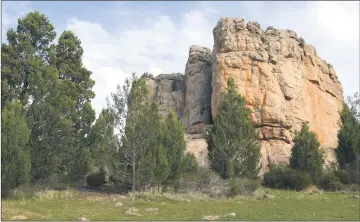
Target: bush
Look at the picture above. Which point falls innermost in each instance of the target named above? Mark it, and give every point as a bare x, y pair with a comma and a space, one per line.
243, 186
330, 182
298, 180
203, 181
190, 164
96, 178
281, 177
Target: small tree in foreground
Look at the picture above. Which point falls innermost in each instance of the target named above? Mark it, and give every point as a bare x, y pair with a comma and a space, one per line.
306, 155
234, 146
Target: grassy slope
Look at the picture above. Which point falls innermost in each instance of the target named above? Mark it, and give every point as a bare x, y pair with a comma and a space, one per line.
286, 205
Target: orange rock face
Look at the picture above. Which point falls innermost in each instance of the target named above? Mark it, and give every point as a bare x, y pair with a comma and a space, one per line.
284, 81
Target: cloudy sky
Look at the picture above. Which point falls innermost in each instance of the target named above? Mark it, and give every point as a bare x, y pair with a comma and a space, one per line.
124, 37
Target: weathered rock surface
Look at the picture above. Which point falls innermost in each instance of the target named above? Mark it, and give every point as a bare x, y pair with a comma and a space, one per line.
284, 81
282, 78
198, 75
169, 91
196, 145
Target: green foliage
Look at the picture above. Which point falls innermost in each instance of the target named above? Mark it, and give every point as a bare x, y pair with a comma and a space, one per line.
189, 164
282, 177
15, 159
306, 155
243, 186
162, 169
102, 139
349, 174
330, 182
96, 178
234, 147
174, 144
348, 135
55, 90
140, 134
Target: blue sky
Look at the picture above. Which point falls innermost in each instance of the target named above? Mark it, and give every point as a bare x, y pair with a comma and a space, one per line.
124, 37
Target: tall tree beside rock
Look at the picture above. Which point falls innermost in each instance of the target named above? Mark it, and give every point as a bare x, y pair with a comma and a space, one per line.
306, 155
349, 140
15, 157
155, 152
137, 126
174, 144
234, 146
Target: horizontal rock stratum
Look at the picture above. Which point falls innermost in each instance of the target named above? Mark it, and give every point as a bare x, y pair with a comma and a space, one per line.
284, 81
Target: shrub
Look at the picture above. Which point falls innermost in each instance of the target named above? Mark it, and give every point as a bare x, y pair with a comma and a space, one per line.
298, 180
204, 181
189, 164
275, 177
281, 177
330, 182
96, 178
349, 174
243, 186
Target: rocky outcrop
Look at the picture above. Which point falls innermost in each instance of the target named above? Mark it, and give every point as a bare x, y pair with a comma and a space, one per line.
168, 90
284, 81
198, 75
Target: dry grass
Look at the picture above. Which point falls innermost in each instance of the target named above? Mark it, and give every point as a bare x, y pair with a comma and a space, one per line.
264, 204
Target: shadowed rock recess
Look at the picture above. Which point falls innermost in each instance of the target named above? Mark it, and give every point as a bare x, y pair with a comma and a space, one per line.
282, 78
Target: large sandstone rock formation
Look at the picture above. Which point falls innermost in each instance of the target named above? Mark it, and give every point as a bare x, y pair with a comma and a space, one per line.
283, 79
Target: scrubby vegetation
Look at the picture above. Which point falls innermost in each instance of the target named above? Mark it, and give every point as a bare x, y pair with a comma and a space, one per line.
283, 177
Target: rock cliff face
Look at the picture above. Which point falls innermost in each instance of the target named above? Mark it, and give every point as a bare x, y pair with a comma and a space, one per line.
282, 78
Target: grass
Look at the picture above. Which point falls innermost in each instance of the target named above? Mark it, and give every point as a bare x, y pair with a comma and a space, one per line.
283, 205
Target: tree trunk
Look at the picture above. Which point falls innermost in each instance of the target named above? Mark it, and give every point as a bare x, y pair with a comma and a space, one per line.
133, 172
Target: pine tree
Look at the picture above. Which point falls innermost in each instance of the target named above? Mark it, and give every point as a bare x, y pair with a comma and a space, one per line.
348, 136
55, 91
136, 155
174, 144
306, 155
76, 85
234, 147
15, 159
102, 139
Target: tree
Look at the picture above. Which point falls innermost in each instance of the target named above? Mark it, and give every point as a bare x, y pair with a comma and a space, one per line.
174, 144
348, 136
306, 155
76, 85
234, 147
102, 139
55, 91
15, 159
139, 134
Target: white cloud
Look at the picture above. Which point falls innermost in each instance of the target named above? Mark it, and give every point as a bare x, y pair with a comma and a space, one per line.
160, 47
